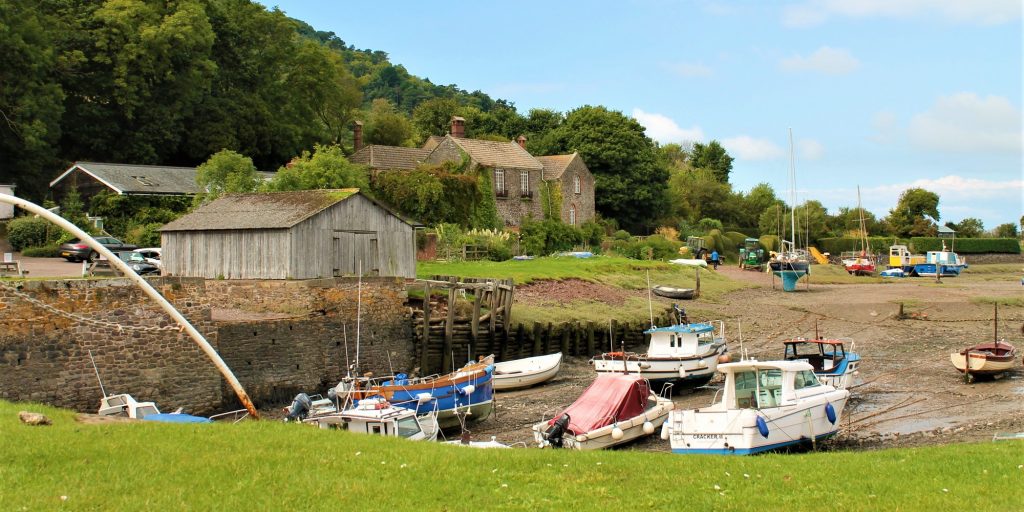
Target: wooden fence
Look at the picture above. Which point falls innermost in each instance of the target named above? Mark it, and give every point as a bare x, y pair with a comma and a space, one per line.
470, 317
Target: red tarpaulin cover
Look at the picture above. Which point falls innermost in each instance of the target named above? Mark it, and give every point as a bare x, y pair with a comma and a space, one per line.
612, 397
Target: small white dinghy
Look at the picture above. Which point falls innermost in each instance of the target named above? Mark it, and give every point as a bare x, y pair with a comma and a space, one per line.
523, 373
765, 405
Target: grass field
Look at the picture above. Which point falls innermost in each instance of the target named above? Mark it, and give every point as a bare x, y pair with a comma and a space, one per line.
270, 465
622, 273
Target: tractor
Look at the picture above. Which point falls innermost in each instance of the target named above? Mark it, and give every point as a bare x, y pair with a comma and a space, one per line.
695, 244
752, 255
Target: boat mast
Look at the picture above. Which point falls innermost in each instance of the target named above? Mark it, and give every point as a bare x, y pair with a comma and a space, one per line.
792, 191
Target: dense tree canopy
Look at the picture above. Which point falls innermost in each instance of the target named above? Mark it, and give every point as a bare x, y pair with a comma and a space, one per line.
325, 168
908, 217
226, 172
714, 157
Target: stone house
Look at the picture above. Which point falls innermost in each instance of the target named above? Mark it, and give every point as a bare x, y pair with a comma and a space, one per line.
521, 182
306, 234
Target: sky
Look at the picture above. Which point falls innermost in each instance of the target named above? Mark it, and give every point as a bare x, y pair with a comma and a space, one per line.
881, 94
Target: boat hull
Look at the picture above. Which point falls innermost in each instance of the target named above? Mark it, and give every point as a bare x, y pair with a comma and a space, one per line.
929, 270
526, 373
735, 431
980, 364
661, 370
633, 428
470, 389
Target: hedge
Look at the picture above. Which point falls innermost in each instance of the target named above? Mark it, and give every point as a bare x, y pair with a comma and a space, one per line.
836, 246
748, 232
966, 245
770, 242
735, 238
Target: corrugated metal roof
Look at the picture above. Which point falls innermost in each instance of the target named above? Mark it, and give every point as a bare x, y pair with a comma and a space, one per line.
498, 154
389, 157
273, 210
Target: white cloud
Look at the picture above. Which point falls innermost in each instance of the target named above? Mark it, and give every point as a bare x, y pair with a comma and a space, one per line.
745, 147
831, 61
978, 12
966, 122
664, 130
690, 69
809, 149
886, 127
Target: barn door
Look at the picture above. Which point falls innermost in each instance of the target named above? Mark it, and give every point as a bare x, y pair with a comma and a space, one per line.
352, 248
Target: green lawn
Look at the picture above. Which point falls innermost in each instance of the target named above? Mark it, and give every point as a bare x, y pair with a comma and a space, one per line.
623, 273
270, 465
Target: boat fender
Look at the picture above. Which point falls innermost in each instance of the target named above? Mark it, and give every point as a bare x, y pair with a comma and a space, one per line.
664, 431
581, 438
682, 373
645, 366
648, 428
468, 390
724, 358
830, 413
762, 427
617, 433
423, 398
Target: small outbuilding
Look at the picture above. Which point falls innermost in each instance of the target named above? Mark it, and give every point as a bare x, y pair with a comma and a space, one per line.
307, 234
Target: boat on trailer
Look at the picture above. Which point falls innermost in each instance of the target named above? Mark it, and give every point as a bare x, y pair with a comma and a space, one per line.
829, 359
615, 409
764, 405
683, 352
523, 373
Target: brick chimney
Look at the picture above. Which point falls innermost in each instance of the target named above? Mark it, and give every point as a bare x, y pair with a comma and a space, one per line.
458, 127
521, 141
357, 135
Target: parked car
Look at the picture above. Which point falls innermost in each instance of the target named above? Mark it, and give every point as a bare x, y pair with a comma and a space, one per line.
76, 250
138, 263
152, 255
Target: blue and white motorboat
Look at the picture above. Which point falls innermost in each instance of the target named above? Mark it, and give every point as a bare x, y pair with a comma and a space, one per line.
893, 272
944, 263
765, 405
833, 365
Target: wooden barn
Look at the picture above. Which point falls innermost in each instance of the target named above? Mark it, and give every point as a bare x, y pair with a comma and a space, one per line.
307, 234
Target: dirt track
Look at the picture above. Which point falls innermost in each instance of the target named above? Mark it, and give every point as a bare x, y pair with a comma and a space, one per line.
909, 392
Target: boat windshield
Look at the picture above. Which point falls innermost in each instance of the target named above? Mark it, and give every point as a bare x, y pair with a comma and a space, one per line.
408, 427
758, 388
144, 411
805, 379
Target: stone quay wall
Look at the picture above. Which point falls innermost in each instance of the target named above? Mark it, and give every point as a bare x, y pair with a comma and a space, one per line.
278, 337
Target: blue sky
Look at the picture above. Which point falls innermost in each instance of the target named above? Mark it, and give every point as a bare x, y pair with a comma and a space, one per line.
885, 94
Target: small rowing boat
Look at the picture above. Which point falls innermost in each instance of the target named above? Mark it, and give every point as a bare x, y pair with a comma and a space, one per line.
523, 373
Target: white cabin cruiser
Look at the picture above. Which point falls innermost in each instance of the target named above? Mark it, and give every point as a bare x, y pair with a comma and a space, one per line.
677, 353
377, 416
765, 405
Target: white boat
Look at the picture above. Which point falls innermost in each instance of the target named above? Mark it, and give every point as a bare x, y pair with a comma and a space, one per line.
493, 443
125, 406
615, 409
379, 417
523, 373
833, 365
681, 352
765, 405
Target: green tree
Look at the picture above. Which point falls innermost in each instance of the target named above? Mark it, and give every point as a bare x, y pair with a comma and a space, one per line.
30, 98
386, 126
1007, 230
969, 227
811, 222
433, 117
226, 172
712, 156
847, 222
755, 202
908, 217
325, 168
630, 184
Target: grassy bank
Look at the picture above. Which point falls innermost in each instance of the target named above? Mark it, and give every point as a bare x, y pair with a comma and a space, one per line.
269, 465
620, 273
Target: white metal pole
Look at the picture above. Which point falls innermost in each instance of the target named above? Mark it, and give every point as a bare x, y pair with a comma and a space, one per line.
196, 336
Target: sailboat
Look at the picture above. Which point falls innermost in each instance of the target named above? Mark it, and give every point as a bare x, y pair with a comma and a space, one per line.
791, 263
861, 264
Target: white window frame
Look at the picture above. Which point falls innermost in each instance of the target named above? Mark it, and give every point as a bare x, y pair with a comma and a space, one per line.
499, 181
572, 215
576, 183
524, 183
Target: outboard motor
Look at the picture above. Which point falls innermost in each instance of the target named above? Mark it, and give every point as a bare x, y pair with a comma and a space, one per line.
299, 408
557, 430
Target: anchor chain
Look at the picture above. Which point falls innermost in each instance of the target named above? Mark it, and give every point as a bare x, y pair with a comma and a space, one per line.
84, 319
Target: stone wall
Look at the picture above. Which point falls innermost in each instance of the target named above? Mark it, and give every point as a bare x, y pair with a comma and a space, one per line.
278, 337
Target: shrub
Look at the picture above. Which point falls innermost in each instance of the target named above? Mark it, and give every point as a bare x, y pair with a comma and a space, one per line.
28, 232
593, 234
735, 239
45, 251
653, 247
549, 236
621, 234
966, 245
770, 242
752, 232
144, 235
705, 225
668, 232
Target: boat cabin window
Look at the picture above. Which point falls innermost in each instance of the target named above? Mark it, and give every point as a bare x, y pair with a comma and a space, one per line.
760, 389
408, 427
375, 428
672, 341
805, 379
705, 338
142, 412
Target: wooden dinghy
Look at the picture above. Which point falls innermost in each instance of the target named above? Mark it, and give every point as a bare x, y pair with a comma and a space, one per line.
523, 373
986, 358
674, 293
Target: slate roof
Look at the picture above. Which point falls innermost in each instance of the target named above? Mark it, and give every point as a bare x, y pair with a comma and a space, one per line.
498, 154
555, 165
432, 142
389, 157
273, 210
142, 179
